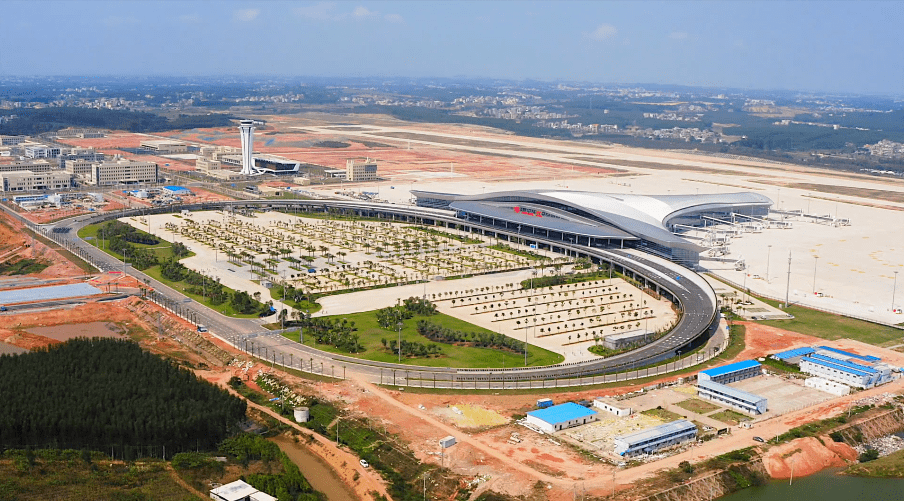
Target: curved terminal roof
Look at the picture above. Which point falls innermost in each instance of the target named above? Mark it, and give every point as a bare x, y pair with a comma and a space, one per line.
643, 216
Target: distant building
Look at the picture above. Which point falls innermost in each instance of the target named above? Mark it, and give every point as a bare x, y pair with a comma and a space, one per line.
164, 146
80, 168
41, 151
11, 140
335, 173
653, 439
27, 180
34, 166
560, 417
361, 170
89, 154
273, 164
123, 171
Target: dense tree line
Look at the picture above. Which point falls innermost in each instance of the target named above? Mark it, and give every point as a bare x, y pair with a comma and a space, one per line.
413, 349
332, 331
200, 284
389, 317
119, 237
440, 334
37, 121
98, 393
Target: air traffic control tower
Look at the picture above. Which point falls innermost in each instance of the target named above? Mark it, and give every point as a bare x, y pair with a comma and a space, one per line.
246, 127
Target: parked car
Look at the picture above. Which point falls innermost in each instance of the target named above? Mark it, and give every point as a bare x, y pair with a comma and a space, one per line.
759, 439
364, 463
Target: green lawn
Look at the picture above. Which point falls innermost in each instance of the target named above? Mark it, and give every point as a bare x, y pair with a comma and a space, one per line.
829, 326
729, 417
663, 414
697, 405
161, 250
453, 356
891, 466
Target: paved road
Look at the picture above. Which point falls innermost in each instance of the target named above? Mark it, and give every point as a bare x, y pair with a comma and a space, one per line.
697, 300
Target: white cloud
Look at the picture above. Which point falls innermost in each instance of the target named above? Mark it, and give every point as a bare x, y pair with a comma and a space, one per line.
326, 11
678, 35
189, 18
603, 32
246, 15
321, 11
362, 12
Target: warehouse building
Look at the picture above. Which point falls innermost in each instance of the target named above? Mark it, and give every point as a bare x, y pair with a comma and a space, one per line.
731, 373
164, 146
846, 355
560, 417
611, 407
653, 439
731, 397
845, 372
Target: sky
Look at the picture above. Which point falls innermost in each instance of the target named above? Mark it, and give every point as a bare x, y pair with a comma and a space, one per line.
846, 47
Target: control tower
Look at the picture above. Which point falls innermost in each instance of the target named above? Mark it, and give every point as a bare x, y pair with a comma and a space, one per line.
246, 127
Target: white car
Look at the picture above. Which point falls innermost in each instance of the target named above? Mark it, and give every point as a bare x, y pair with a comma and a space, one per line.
364, 463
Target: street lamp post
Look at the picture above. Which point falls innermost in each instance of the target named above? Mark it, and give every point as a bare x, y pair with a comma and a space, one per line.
816, 262
400, 341
893, 290
768, 256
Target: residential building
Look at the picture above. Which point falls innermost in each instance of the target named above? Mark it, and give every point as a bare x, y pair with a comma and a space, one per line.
123, 171
653, 439
361, 170
560, 417
740, 400
26, 180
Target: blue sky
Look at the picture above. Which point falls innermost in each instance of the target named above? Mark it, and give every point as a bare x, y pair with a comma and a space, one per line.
811, 46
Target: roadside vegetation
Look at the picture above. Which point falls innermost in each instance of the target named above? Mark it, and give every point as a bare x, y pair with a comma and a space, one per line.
22, 266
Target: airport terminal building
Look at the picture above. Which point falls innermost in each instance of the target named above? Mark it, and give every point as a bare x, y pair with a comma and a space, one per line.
645, 222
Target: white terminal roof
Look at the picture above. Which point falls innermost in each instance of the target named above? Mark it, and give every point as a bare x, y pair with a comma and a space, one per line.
644, 216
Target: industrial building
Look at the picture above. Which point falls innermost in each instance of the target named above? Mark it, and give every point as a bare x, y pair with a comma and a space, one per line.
845, 355
27, 180
827, 386
653, 439
164, 146
731, 397
602, 220
360, 170
560, 417
845, 371
731, 373
611, 407
239, 491
123, 171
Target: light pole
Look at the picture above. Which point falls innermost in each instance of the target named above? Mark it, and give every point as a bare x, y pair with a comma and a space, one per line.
893, 290
768, 256
788, 284
400, 341
814, 273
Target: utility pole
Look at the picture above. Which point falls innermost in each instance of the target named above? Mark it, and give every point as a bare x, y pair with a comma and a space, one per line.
815, 263
893, 290
768, 255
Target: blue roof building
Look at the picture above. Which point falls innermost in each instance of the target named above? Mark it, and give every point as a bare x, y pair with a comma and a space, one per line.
560, 417
793, 356
653, 439
731, 373
847, 354
845, 372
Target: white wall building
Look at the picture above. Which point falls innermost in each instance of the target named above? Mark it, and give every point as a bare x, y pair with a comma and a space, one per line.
845, 372
560, 417
27, 180
123, 171
827, 386
611, 407
653, 439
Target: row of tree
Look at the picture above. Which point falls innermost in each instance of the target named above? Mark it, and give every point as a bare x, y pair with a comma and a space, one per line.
98, 392
440, 334
338, 333
412, 349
